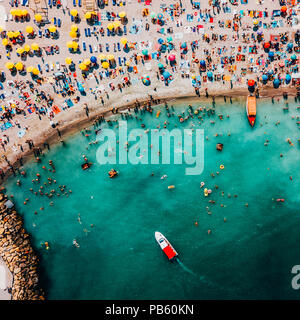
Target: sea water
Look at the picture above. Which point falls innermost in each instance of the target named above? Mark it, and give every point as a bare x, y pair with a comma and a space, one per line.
250, 256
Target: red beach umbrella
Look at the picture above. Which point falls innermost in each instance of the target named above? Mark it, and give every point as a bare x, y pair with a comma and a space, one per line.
251, 83
267, 45
283, 9
172, 57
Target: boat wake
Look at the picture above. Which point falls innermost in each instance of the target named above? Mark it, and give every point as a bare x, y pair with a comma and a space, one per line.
182, 265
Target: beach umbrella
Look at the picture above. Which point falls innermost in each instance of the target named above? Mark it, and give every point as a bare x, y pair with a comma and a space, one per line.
288, 78
70, 44
145, 52
283, 9
68, 60
294, 57
5, 42
29, 29
9, 65
172, 57
19, 66
18, 12
169, 39
160, 16
255, 22
24, 12
123, 41
74, 13
160, 41
16, 34
93, 59
127, 63
202, 63
166, 74
290, 46
110, 26
184, 45
267, 45
35, 46
105, 64
110, 57
146, 81
209, 74
102, 57
281, 64
117, 24
251, 83
264, 78
74, 28
29, 69
38, 17
160, 66
35, 71
87, 62
13, 12
152, 15
271, 54
276, 83
52, 29
27, 47
88, 15
1, 29
122, 14
73, 34
20, 50
75, 45
82, 66
10, 34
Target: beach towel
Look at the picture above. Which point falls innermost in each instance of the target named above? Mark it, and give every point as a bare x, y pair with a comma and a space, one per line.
6, 126
135, 69
56, 109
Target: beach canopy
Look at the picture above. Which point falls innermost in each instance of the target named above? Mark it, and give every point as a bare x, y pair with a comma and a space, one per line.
68, 60
93, 59
19, 66
10, 34
29, 29
290, 45
251, 83
74, 13
70, 44
116, 24
9, 65
38, 17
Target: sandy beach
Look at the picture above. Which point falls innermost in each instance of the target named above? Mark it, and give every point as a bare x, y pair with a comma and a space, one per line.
5, 281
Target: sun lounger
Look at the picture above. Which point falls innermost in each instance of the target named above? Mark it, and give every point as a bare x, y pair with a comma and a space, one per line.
50, 3
59, 22
79, 3
85, 32
74, 3
84, 46
89, 32
55, 21
91, 49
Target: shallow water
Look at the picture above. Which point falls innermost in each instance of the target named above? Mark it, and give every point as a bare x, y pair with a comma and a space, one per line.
250, 256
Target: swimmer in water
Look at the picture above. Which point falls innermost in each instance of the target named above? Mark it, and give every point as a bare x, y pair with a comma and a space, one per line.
164, 177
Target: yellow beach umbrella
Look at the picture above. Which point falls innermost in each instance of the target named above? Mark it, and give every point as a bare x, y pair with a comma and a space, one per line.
24, 12
18, 12
75, 45
122, 14
29, 29
17, 34
38, 17
20, 50
74, 27
27, 47
35, 46
124, 41
35, 71
5, 42
82, 66
88, 15
105, 64
87, 62
102, 57
9, 65
127, 63
52, 28
1, 29
70, 44
74, 13
29, 69
110, 57
19, 66
110, 26
10, 34
13, 12
117, 24
255, 22
68, 60
73, 34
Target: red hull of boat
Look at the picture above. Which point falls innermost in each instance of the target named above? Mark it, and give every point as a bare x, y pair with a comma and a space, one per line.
252, 120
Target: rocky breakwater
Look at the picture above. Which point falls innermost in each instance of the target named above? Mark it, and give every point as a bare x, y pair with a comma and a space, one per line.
17, 253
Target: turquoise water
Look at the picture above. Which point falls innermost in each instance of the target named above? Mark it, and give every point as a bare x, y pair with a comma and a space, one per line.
250, 256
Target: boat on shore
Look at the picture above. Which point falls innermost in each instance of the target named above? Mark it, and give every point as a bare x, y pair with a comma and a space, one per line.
165, 246
251, 109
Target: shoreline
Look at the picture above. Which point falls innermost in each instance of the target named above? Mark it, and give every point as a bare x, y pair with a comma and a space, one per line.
71, 125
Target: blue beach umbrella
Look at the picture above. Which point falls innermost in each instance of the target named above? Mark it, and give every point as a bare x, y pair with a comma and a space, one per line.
166, 74
288, 78
290, 46
93, 59
203, 63
160, 16
169, 39
276, 83
145, 52
271, 54
160, 66
183, 46
209, 74
160, 41
294, 57
264, 78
